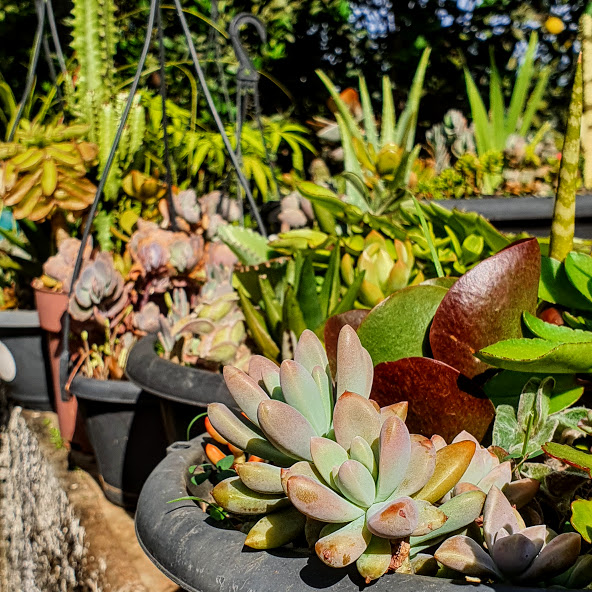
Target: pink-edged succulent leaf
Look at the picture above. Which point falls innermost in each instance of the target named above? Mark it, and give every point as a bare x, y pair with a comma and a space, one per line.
354, 415
266, 374
276, 530
286, 428
235, 431
343, 546
261, 477
375, 560
395, 519
354, 366
513, 553
571, 456
430, 518
310, 352
301, 392
320, 502
482, 462
422, 464
498, 514
441, 400
302, 467
460, 511
356, 483
463, 554
485, 306
451, 463
234, 496
393, 457
360, 450
245, 391
556, 557
332, 329
326, 455
398, 409
521, 492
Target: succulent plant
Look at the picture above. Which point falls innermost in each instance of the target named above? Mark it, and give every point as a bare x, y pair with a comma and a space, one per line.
141, 186
100, 291
351, 464
44, 170
515, 553
218, 210
58, 269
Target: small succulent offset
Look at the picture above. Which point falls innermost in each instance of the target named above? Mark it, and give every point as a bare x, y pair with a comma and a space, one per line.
515, 553
350, 464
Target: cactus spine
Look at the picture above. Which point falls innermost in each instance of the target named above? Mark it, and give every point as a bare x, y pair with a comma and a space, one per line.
562, 228
586, 37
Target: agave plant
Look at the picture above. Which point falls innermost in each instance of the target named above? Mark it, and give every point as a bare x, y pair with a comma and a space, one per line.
515, 553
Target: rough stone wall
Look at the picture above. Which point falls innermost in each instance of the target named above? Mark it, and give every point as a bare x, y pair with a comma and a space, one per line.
42, 543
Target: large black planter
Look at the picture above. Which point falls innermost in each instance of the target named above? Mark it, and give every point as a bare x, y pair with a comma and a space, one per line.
187, 546
22, 335
125, 429
524, 214
184, 391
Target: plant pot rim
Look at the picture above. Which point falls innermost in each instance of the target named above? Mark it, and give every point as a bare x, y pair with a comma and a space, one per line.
19, 319
181, 384
105, 391
199, 557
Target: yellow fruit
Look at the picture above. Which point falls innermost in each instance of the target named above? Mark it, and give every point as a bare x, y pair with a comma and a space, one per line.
554, 25
49, 177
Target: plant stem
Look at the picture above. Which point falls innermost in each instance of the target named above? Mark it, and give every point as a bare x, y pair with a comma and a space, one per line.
586, 39
564, 214
428, 237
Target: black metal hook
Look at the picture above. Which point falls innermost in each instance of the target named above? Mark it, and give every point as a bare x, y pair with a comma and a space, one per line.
246, 71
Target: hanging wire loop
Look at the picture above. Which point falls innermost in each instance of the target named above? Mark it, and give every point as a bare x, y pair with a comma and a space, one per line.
246, 71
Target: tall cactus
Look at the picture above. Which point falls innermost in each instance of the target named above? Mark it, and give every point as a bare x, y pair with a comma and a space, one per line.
564, 214
586, 37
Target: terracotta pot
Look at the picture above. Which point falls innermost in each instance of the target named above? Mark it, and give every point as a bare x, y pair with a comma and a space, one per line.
51, 307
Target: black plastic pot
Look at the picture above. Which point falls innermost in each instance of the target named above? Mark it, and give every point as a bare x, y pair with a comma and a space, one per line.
22, 335
184, 391
125, 429
525, 214
198, 555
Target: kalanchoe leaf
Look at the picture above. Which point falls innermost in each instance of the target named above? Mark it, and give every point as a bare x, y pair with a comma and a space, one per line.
354, 366
430, 518
463, 554
485, 306
571, 456
286, 428
343, 546
578, 267
276, 530
234, 496
261, 477
422, 464
230, 427
552, 332
301, 392
245, 391
451, 463
356, 483
310, 352
360, 450
557, 556
375, 561
332, 329
394, 456
394, 519
355, 415
319, 502
581, 518
327, 455
441, 401
556, 288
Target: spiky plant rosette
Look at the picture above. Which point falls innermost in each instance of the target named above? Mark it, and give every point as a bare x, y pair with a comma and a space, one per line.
352, 468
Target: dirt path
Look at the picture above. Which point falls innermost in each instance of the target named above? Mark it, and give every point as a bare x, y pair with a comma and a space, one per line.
113, 547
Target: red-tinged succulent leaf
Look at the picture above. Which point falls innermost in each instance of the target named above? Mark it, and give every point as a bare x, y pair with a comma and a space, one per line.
286, 428
302, 467
393, 457
317, 501
463, 554
498, 514
344, 545
261, 477
521, 492
276, 530
265, 373
398, 409
560, 554
395, 519
333, 327
422, 464
441, 400
245, 391
354, 365
572, 456
233, 495
310, 352
485, 306
353, 416
513, 554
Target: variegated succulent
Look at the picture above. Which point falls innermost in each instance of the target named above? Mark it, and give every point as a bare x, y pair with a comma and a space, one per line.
512, 552
350, 464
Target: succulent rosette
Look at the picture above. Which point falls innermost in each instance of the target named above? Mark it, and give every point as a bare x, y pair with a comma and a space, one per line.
511, 552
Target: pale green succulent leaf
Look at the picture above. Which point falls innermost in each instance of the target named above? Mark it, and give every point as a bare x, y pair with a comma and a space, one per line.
356, 483
234, 496
360, 450
261, 477
327, 455
276, 530
375, 561
353, 373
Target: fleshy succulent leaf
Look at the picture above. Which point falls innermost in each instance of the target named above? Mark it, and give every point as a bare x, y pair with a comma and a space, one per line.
310, 352
360, 450
499, 477
422, 464
513, 553
302, 467
398, 409
276, 530
263, 370
233, 495
571, 456
325, 386
354, 415
498, 514
395, 519
393, 458
430, 518
343, 546
351, 362
320, 502
375, 560
463, 554
261, 477
327, 455
332, 329
245, 391
581, 518
356, 483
